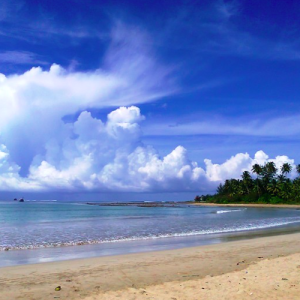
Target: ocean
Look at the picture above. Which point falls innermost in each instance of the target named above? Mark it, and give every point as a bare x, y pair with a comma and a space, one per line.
39, 231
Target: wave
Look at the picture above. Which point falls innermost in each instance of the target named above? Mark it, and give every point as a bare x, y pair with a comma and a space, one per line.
248, 227
229, 211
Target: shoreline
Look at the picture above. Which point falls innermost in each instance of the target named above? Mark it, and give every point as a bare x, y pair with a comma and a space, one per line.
90, 277
247, 205
39, 255
173, 204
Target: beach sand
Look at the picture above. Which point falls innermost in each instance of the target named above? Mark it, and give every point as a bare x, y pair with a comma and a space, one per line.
261, 268
247, 205
268, 279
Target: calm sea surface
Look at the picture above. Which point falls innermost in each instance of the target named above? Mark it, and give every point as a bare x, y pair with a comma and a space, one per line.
43, 225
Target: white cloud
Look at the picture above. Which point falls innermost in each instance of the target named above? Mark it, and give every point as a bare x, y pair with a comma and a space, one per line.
236, 165
232, 168
9, 174
110, 156
33, 104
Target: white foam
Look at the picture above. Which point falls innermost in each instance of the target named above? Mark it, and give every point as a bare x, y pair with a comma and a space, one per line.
229, 211
248, 227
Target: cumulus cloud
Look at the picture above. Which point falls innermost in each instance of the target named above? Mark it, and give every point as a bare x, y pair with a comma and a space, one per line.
233, 167
9, 174
110, 156
33, 104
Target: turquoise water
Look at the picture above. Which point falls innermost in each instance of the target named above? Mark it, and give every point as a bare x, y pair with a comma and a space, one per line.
43, 225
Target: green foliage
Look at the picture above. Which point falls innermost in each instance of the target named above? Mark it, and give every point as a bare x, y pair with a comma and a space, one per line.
203, 198
265, 198
276, 200
250, 198
298, 169
268, 187
197, 198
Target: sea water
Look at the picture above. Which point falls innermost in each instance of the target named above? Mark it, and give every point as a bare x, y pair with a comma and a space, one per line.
37, 231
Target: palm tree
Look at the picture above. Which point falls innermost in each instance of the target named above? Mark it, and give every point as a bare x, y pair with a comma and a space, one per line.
298, 169
227, 186
285, 190
286, 168
281, 178
234, 187
247, 180
246, 176
257, 169
267, 174
270, 169
296, 188
221, 189
273, 187
258, 187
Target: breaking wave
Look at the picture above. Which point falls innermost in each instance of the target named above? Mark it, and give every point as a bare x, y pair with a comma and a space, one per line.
248, 227
229, 211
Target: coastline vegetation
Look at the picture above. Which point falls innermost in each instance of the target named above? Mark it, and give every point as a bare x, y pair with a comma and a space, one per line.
270, 186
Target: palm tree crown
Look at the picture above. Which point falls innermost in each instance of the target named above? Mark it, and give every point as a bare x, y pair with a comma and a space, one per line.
257, 169
271, 168
286, 168
246, 176
298, 169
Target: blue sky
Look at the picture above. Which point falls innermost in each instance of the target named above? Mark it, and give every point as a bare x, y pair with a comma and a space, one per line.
219, 78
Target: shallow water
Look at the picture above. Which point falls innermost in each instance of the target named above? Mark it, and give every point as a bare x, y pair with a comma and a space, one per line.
113, 230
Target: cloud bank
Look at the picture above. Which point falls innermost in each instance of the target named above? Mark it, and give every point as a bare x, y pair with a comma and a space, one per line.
92, 155
33, 104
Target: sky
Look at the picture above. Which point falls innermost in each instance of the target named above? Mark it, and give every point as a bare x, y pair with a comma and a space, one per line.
144, 100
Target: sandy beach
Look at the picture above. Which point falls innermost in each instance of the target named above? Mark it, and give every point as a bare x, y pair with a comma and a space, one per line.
263, 280
247, 205
261, 268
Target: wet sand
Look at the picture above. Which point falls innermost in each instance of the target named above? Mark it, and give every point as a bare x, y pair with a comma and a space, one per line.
225, 270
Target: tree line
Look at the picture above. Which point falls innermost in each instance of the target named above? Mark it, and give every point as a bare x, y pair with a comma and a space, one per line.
270, 185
